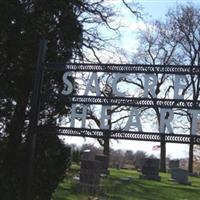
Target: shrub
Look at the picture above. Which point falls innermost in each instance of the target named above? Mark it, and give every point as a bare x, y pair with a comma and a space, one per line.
52, 158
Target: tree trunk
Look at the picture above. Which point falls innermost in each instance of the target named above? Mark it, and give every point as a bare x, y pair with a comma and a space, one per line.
191, 145
190, 164
163, 154
106, 149
162, 146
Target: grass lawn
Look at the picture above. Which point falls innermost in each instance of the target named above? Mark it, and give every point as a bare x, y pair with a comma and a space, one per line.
112, 188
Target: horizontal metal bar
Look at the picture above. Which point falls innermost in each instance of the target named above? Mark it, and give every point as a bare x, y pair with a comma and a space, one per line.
120, 134
125, 68
131, 101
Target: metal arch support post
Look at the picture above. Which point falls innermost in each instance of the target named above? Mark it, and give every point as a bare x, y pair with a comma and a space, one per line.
34, 115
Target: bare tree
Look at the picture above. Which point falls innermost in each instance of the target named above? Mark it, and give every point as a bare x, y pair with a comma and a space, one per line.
175, 41
186, 21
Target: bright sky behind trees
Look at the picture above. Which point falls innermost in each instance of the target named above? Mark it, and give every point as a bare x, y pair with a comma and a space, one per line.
151, 10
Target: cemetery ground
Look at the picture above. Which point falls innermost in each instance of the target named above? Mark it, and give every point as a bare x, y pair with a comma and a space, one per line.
123, 184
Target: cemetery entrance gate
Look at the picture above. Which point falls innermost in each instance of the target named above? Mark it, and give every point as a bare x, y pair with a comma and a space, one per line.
169, 92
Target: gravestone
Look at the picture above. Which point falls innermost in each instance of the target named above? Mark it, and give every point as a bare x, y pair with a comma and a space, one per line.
126, 180
87, 155
180, 175
104, 163
90, 176
150, 169
116, 165
174, 164
89, 173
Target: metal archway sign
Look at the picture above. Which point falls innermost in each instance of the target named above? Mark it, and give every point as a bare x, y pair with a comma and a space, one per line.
132, 128
122, 70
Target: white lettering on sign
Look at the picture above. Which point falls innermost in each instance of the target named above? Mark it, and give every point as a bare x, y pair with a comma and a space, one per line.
93, 88
79, 113
133, 120
115, 82
166, 117
105, 117
68, 87
150, 83
194, 114
178, 86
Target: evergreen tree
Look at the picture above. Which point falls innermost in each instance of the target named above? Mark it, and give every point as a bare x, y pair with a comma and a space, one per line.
22, 24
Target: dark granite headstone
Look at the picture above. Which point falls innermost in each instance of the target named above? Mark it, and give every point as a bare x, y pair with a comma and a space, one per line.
104, 163
150, 169
126, 180
174, 164
116, 165
90, 176
180, 175
87, 155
